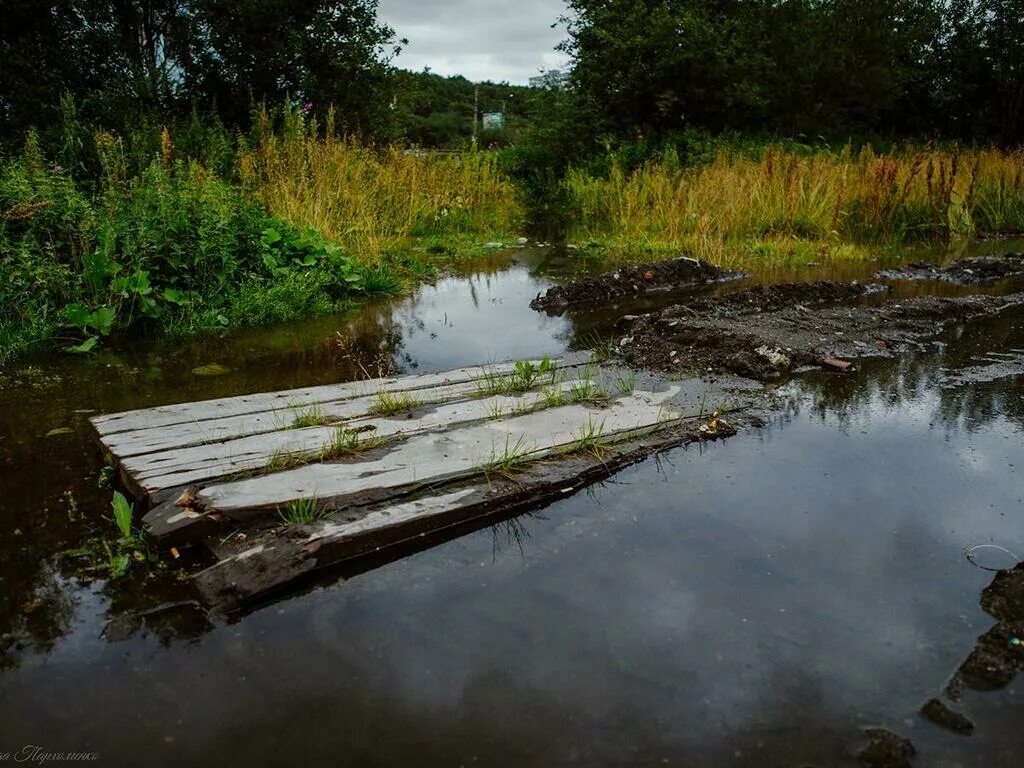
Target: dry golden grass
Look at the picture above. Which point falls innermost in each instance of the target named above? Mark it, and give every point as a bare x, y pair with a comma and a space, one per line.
369, 200
807, 206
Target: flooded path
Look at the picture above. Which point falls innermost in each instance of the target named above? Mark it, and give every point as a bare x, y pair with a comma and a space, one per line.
754, 602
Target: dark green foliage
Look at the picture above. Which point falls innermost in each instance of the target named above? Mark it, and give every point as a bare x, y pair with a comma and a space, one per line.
173, 248
810, 69
125, 59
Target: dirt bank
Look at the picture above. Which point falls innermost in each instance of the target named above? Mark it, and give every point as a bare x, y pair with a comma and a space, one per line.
632, 281
977, 271
767, 331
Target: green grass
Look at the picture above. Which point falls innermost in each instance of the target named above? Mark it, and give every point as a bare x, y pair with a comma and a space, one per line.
389, 403
506, 462
591, 440
522, 378
283, 459
308, 416
301, 511
349, 442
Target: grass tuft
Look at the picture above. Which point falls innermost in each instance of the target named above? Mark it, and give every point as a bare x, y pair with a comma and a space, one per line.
388, 403
301, 511
508, 461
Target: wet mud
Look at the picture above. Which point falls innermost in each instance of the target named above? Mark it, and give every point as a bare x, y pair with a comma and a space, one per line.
635, 280
981, 270
765, 332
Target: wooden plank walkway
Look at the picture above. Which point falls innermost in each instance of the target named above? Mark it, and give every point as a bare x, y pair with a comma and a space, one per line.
281, 483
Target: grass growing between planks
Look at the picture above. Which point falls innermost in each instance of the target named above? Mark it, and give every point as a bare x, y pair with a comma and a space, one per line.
301, 512
786, 206
390, 403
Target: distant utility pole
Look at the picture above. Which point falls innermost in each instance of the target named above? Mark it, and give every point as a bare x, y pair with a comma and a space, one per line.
476, 111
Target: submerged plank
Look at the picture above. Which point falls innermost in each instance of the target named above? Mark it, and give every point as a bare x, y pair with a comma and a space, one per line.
194, 464
183, 413
440, 457
279, 557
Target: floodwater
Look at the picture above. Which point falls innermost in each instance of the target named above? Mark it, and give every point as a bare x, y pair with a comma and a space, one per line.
755, 602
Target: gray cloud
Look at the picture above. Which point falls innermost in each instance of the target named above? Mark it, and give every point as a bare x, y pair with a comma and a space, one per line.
480, 39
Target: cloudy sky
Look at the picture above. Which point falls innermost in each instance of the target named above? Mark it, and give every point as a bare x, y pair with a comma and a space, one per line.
481, 39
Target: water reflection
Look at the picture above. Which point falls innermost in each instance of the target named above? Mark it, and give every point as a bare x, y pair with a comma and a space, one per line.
754, 602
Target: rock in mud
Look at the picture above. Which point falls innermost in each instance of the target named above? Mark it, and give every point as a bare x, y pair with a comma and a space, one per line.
633, 281
938, 712
976, 271
998, 655
886, 750
766, 331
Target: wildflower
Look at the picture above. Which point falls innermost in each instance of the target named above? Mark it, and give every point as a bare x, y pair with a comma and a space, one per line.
57, 168
308, 106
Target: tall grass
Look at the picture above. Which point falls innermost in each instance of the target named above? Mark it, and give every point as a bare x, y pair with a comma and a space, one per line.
801, 204
370, 200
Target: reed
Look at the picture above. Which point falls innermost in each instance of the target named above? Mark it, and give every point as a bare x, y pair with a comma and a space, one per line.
374, 200
801, 205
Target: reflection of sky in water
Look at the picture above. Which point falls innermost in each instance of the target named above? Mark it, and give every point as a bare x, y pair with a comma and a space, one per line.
442, 329
766, 596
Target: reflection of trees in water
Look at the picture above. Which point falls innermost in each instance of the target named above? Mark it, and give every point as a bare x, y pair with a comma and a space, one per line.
891, 387
35, 615
39, 586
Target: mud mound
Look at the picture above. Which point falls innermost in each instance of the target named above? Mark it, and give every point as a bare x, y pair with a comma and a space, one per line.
985, 269
770, 298
765, 332
632, 281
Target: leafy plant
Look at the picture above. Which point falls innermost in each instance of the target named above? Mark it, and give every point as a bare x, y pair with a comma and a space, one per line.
123, 513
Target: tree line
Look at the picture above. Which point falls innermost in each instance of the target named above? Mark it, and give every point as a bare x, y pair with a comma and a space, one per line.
643, 70
832, 69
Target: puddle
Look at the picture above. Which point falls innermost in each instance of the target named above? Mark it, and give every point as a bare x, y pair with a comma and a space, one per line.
755, 602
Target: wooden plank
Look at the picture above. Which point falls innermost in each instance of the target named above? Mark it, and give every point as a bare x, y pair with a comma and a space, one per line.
184, 413
153, 472
438, 457
124, 445
279, 557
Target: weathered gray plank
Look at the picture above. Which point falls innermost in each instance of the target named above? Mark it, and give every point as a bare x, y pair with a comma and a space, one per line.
439, 457
183, 413
124, 445
278, 557
194, 464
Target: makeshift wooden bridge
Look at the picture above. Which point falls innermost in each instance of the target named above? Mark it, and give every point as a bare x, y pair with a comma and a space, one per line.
279, 484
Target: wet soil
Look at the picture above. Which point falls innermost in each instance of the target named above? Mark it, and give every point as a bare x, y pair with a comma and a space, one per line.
636, 280
973, 271
767, 331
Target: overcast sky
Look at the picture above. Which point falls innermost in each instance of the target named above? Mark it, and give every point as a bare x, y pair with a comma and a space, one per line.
480, 39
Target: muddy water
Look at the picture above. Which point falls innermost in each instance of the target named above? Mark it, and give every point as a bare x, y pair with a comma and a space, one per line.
755, 602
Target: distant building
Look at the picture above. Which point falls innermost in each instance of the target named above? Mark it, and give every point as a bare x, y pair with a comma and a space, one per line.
552, 78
